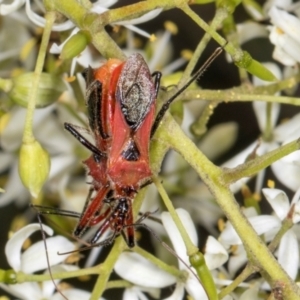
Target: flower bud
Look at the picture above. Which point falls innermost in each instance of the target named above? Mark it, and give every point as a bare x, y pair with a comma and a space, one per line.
75, 45
34, 167
50, 88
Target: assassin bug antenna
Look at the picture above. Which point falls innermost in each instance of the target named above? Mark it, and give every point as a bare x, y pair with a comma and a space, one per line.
167, 104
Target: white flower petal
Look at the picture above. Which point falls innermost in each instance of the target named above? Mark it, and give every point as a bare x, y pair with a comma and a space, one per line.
174, 234
137, 30
40, 21
237, 260
178, 293
287, 174
278, 200
229, 236
261, 224
264, 223
296, 214
48, 287
130, 294
241, 158
74, 294
219, 139
288, 253
215, 253
6, 160
60, 164
11, 137
14, 188
250, 294
6, 9
105, 3
289, 47
250, 30
24, 291
288, 129
288, 23
280, 55
138, 270
195, 289
261, 114
14, 245
34, 258
56, 49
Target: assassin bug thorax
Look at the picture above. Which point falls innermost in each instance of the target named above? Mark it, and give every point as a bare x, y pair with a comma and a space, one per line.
121, 101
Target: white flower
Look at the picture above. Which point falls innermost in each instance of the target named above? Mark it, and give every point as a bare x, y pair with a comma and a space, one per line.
145, 275
33, 260
268, 226
285, 36
50, 133
6, 9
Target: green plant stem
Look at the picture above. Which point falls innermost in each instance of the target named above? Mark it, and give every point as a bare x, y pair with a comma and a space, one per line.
22, 277
113, 284
248, 270
28, 134
213, 178
233, 95
190, 247
259, 163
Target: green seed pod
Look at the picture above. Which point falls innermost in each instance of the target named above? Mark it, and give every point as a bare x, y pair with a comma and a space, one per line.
75, 45
34, 167
50, 88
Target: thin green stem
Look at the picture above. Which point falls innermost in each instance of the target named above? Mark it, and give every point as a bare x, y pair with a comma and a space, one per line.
162, 265
28, 134
22, 277
190, 247
234, 95
115, 284
253, 166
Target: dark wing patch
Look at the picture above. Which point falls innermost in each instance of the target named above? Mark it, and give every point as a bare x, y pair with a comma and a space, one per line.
135, 90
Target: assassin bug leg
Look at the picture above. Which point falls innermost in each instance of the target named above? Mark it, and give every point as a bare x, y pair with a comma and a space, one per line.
83, 140
167, 104
157, 80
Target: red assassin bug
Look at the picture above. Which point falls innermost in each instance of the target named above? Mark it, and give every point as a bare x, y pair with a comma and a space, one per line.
121, 98
121, 106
